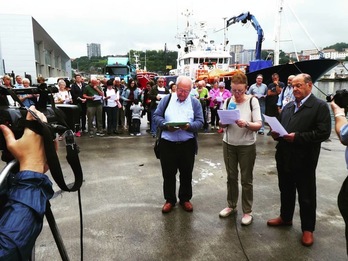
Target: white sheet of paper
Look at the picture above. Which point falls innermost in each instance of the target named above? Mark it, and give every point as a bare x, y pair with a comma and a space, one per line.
275, 125
229, 116
97, 97
258, 95
219, 98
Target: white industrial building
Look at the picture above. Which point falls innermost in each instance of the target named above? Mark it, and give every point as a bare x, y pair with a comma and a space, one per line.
27, 49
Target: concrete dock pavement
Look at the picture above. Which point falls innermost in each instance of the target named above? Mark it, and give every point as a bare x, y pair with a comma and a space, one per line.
122, 200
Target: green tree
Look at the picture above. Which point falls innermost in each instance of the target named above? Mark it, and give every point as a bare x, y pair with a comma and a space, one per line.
338, 46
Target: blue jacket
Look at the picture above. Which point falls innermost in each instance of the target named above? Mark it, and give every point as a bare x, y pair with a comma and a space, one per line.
22, 216
125, 95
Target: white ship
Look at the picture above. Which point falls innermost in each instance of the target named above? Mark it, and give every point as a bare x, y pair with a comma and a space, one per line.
198, 55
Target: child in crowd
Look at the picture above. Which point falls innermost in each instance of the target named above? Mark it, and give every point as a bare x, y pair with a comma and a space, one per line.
136, 109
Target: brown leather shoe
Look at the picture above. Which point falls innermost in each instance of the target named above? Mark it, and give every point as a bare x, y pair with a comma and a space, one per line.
307, 238
167, 207
277, 222
187, 206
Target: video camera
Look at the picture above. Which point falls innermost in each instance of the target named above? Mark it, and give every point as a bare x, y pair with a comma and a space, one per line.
15, 117
60, 119
340, 98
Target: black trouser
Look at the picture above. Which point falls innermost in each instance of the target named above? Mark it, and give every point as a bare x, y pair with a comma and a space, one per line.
342, 201
205, 114
214, 116
104, 117
128, 114
295, 174
176, 156
136, 126
83, 114
111, 113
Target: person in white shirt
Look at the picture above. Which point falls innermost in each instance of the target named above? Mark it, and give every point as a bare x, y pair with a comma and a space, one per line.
286, 94
111, 103
137, 109
19, 82
259, 90
62, 96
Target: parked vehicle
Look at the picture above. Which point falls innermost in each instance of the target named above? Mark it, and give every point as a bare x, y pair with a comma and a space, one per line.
119, 67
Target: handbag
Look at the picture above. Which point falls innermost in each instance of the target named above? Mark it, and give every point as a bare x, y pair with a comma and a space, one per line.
159, 130
156, 148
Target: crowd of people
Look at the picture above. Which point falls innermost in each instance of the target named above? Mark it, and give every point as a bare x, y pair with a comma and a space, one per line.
178, 113
113, 107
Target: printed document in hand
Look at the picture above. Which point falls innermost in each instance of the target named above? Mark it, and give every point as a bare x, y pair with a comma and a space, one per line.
275, 125
97, 97
229, 116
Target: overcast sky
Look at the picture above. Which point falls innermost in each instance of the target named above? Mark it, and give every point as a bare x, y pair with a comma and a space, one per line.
147, 25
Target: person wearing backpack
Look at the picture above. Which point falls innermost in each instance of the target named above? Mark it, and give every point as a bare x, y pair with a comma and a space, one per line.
239, 149
180, 117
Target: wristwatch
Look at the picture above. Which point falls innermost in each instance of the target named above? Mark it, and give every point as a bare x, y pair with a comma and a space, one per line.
340, 115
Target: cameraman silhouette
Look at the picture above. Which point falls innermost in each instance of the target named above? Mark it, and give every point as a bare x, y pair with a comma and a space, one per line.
341, 128
28, 191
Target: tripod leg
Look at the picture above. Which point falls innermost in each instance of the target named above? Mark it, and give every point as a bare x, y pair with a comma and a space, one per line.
32, 258
55, 232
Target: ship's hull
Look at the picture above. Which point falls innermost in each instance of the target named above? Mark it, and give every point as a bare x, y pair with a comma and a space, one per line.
315, 68
144, 77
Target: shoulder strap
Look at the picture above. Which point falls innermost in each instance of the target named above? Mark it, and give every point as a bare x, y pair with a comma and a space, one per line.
250, 101
165, 107
228, 102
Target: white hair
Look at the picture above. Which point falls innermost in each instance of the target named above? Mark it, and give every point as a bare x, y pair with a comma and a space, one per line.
25, 80
61, 82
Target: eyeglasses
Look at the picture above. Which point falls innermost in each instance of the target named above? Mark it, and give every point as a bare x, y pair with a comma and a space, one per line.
183, 91
238, 91
160, 81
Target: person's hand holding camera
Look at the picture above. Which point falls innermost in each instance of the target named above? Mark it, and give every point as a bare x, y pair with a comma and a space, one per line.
29, 149
337, 110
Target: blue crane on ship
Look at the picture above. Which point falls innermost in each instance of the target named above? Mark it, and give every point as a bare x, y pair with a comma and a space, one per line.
244, 18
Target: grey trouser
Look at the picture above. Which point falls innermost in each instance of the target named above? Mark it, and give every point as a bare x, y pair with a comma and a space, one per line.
95, 111
244, 157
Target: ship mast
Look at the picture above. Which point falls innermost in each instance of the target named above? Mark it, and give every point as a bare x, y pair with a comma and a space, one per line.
277, 33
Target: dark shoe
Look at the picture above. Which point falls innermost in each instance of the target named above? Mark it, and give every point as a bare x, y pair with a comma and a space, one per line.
277, 222
261, 132
167, 207
187, 206
307, 238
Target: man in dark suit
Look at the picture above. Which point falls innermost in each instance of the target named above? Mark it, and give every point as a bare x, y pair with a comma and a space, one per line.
308, 123
77, 89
